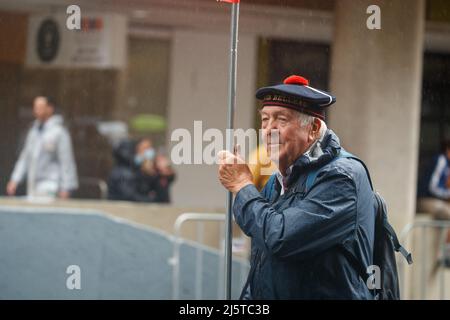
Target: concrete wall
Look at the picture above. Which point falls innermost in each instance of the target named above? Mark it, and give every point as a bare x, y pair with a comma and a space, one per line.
199, 76
199, 92
376, 76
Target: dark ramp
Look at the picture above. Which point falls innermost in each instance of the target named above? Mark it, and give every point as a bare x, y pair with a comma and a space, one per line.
117, 259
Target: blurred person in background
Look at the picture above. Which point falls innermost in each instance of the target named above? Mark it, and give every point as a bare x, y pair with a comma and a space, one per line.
165, 177
124, 178
434, 186
140, 174
261, 166
47, 158
155, 174
434, 191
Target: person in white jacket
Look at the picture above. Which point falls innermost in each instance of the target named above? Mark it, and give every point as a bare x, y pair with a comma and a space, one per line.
47, 158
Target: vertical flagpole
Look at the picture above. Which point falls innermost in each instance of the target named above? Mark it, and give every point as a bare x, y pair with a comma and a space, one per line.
230, 127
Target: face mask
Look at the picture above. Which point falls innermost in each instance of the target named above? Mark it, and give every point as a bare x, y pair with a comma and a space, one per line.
148, 154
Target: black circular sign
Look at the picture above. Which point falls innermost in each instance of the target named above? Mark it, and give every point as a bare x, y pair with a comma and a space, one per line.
47, 40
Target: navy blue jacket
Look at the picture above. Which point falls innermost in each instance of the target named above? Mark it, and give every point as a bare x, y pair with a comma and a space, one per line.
433, 183
305, 242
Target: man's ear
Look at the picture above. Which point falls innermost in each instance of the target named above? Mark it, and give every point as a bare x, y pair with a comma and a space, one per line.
315, 129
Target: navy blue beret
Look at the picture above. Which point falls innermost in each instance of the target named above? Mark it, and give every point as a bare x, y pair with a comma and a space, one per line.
295, 93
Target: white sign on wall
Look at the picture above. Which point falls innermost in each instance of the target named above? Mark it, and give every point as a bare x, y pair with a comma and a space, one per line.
99, 43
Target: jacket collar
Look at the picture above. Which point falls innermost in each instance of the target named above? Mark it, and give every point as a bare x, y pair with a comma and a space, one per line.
53, 121
326, 150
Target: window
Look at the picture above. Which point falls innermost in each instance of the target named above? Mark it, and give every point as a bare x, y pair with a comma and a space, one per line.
435, 116
281, 58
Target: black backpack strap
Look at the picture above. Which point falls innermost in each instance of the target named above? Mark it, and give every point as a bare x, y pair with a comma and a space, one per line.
397, 246
391, 232
342, 154
269, 187
250, 276
345, 154
382, 206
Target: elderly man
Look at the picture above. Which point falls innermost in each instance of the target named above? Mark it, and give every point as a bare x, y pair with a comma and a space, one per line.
47, 157
314, 222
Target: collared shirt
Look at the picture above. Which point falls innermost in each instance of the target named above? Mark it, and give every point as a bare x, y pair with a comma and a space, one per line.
313, 153
284, 179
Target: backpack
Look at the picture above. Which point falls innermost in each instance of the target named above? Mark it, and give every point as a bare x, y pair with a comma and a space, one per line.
385, 241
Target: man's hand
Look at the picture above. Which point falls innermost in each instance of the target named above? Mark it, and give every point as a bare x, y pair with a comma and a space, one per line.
11, 188
234, 174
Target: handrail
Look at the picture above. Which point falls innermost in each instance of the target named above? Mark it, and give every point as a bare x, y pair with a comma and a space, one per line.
441, 225
175, 260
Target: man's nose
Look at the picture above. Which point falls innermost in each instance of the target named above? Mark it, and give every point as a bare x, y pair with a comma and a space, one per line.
272, 134
272, 125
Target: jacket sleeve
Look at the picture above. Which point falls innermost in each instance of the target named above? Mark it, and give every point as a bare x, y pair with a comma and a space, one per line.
21, 166
439, 171
69, 177
325, 217
127, 190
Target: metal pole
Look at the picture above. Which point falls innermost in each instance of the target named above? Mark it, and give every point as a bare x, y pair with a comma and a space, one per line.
199, 262
423, 268
230, 127
442, 242
221, 264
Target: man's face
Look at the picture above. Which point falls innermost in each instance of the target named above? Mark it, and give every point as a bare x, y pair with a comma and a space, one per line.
41, 110
282, 124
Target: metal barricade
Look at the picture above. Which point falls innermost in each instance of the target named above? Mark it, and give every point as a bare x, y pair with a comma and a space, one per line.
442, 227
200, 219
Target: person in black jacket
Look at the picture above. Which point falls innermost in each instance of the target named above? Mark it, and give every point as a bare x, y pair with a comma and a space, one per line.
155, 173
307, 233
123, 182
